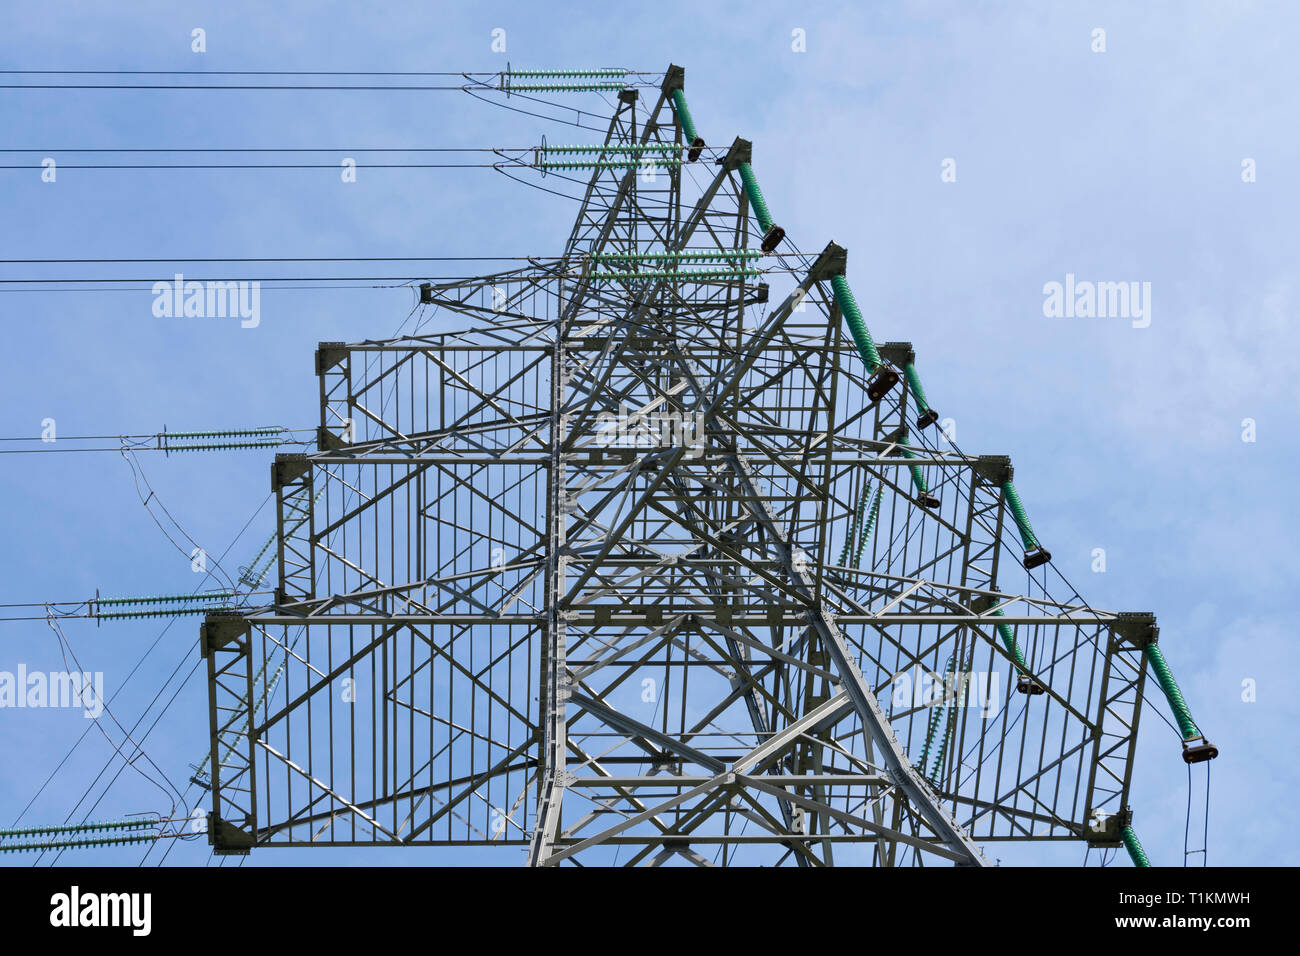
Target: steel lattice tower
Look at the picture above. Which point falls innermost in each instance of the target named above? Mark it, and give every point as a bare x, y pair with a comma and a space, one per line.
645, 565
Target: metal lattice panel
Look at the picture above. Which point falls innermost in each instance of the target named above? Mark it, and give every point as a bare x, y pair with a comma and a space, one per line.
636, 570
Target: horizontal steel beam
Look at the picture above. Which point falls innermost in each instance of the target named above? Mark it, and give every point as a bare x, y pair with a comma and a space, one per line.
624, 619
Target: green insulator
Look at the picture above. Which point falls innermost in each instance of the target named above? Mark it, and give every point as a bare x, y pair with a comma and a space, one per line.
253, 577
871, 523
1172, 693
122, 825
943, 744
855, 525
114, 602
684, 116
914, 384
225, 446
936, 719
918, 479
169, 598
722, 255
232, 433
1009, 639
755, 197
568, 74
616, 148
76, 844
1018, 513
166, 612
848, 541
257, 575
857, 328
687, 274
1135, 851
661, 162
79, 828
565, 87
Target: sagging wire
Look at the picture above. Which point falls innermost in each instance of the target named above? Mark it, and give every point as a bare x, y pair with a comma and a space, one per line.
1204, 851
161, 634
138, 752
137, 472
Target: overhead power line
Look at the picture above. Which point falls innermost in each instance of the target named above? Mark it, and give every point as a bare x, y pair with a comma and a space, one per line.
146, 280
168, 442
466, 73
290, 259
265, 149
127, 288
683, 255
29, 166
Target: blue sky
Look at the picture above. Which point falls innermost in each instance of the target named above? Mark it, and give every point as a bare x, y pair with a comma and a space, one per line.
1116, 166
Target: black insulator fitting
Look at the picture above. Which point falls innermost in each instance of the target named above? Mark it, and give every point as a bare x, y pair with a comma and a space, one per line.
1036, 558
927, 500
881, 381
1027, 685
1199, 753
927, 418
697, 145
772, 238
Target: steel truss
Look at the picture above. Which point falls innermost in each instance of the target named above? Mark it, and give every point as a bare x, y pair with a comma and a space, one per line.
592, 578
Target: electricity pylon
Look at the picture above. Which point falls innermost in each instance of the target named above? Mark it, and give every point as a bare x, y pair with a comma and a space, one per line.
650, 564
